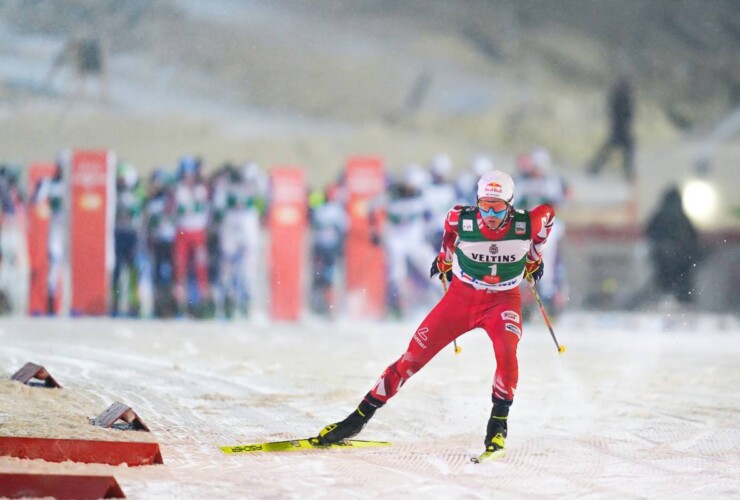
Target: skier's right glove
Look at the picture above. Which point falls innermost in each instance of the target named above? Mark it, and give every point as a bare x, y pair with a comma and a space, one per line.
441, 267
534, 269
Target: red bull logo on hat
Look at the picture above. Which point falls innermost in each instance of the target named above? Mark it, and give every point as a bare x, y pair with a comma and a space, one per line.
494, 189
496, 184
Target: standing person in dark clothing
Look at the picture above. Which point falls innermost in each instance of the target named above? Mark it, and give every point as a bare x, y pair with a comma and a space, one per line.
159, 213
621, 111
126, 239
674, 247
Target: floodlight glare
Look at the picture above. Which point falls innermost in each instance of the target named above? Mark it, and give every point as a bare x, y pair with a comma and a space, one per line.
699, 199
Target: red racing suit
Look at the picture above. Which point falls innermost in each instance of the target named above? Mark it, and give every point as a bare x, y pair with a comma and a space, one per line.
488, 266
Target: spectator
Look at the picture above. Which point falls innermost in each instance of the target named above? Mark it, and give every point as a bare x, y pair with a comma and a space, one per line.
674, 247
621, 111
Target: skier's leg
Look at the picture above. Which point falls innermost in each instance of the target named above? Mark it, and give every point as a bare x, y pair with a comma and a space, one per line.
180, 254
628, 158
397, 274
117, 266
504, 327
200, 263
56, 256
250, 264
449, 319
601, 156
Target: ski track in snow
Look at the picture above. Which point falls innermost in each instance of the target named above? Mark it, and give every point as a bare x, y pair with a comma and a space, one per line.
628, 414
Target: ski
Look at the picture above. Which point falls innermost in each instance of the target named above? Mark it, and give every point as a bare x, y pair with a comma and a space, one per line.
299, 445
488, 456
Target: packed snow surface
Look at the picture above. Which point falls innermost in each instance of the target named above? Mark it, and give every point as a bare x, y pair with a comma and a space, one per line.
638, 406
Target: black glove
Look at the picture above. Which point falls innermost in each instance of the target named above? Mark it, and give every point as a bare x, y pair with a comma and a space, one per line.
439, 266
375, 239
534, 269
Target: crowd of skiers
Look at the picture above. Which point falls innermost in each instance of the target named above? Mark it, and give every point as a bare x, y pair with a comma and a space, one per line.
189, 244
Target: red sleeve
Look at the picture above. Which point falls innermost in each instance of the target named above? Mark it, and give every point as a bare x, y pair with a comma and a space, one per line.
449, 238
542, 219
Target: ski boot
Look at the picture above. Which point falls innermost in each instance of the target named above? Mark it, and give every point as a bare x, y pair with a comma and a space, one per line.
350, 426
497, 426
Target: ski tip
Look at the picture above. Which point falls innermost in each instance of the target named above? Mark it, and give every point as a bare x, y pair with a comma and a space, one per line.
488, 456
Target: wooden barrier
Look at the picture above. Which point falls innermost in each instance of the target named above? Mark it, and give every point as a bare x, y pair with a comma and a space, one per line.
32, 370
119, 411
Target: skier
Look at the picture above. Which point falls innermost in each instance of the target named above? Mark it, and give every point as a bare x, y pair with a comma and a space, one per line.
191, 199
439, 196
330, 222
52, 193
239, 202
537, 183
404, 238
160, 235
467, 183
129, 205
486, 252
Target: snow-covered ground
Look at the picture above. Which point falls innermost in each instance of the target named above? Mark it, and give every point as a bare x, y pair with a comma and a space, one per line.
639, 406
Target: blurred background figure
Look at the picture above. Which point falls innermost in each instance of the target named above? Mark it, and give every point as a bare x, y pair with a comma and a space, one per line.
85, 54
467, 182
51, 192
621, 114
329, 225
404, 237
439, 196
129, 206
674, 249
238, 202
159, 216
192, 212
14, 278
537, 183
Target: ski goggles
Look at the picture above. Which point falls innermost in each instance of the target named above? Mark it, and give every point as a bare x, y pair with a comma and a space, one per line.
495, 209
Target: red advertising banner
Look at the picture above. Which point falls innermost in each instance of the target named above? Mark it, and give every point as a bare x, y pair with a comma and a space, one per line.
366, 273
91, 230
38, 240
288, 221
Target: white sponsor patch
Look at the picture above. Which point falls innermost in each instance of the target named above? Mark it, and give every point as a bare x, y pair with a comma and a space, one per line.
513, 329
510, 316
520, 228
467, 225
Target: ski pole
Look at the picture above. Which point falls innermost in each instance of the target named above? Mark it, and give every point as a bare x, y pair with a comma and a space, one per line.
561, 348
458, 349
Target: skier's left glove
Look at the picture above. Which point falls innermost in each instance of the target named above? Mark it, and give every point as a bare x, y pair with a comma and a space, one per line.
534, 269
441, 267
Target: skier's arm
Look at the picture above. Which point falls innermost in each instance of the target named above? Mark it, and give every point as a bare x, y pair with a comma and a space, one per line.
542, 219
449, 238
442, 264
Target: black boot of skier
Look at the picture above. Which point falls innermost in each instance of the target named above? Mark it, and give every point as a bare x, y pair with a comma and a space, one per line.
350, 426
497, 425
